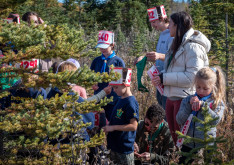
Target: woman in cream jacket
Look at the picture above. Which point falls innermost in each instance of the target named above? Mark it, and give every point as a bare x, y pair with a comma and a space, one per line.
187, 54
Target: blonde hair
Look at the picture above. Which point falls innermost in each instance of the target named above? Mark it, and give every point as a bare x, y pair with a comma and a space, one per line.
67, 66
216, 77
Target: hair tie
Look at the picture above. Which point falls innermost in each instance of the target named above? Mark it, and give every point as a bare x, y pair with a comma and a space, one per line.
214, 69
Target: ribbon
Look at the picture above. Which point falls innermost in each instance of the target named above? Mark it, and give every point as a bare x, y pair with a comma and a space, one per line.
155, 134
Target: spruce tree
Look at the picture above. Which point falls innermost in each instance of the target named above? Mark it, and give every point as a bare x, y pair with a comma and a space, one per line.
36, 122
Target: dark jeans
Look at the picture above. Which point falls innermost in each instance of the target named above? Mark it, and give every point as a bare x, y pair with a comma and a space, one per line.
161, 100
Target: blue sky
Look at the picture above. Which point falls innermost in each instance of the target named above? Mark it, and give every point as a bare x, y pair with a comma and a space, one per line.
174, 0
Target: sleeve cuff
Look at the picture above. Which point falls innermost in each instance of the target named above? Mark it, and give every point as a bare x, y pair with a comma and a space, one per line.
161, 77
152, 156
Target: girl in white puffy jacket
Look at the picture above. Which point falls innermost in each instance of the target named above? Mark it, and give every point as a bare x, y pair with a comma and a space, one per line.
187, 55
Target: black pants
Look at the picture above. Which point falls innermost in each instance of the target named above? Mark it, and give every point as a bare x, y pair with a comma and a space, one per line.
183, 158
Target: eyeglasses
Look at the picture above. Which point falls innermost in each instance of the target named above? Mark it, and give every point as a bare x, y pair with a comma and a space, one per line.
147, 123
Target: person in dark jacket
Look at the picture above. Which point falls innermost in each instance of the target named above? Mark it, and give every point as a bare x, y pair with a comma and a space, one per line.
19, 93
153, 142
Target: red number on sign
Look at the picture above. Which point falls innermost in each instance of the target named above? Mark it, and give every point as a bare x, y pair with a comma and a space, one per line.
27, 64
164, 13
106, 37
21, 65
35, 63
101, 36
130, 77
31, 64
151, 14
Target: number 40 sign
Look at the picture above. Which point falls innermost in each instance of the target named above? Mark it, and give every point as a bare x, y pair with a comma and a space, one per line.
105, 37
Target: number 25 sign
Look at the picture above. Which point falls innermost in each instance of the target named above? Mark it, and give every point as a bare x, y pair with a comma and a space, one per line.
105, 37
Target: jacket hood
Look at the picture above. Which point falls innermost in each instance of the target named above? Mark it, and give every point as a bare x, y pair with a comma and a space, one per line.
198, 37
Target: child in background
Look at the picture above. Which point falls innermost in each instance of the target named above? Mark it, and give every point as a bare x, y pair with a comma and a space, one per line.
123, 121
73, 65
32, 17
210, 88
159, 21
29, 17
101, 64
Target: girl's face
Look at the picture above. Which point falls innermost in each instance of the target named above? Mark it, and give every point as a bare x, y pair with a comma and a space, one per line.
203, 87
172, 28
106, 52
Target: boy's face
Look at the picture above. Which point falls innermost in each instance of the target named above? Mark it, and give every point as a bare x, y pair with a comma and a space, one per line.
151, 126
107, 51
34, 19
157, 25
120, 90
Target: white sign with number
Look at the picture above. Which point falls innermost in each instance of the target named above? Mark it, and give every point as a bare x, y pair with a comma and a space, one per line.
119, 81
9, 20
105, 37
184, 130
128, 78
30, 64
152, 72
163, 12
125, 78
153, 14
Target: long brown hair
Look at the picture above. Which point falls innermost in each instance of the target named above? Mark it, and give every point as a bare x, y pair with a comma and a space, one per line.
184, 22
216, 78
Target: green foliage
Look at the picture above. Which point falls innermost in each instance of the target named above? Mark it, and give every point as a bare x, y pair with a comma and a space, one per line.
208, 150
43, 42
48, 10
30, 126
209, 17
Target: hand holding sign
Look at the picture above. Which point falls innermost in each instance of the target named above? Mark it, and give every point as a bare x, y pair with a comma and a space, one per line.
156, 81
